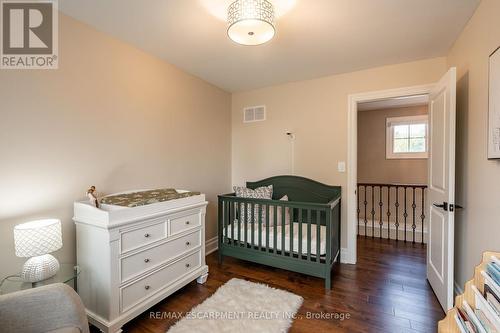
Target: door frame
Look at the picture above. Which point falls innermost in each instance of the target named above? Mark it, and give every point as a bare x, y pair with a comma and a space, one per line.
350, 256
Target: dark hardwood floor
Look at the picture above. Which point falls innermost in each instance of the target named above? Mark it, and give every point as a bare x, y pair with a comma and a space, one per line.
385, 292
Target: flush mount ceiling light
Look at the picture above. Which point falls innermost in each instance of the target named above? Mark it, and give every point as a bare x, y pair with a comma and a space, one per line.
250, 22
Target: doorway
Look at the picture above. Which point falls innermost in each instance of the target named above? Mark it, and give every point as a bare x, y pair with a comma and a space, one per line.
392, 156
352, 154
441, 178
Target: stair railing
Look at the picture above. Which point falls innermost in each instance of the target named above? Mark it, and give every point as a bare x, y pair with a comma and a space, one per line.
392, 211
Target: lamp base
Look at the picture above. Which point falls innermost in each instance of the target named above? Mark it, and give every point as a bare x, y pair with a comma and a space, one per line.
40, 268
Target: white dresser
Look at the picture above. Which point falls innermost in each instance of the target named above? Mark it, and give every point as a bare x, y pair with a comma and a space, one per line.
132, 258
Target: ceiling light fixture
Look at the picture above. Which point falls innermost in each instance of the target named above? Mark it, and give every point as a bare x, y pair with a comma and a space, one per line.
250, 22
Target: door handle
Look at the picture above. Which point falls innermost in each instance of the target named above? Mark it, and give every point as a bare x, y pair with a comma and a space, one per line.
444, 205
454, 207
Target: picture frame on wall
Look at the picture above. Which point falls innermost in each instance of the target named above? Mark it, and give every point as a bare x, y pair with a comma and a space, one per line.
494, 106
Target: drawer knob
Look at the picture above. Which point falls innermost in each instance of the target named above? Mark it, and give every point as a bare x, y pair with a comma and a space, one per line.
188, 243
187, 222
147, 235
146, 260
187, 265
147, 287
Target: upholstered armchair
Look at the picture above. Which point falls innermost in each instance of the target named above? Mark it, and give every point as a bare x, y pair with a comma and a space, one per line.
53, 308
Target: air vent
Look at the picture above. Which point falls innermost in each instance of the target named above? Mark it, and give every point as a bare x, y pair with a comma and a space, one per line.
254, 113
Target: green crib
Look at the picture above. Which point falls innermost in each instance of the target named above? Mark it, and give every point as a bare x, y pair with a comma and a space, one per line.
300, 235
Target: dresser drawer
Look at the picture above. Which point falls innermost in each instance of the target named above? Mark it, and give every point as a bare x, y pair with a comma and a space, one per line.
149, 285
180, 224
136, 238
148, 259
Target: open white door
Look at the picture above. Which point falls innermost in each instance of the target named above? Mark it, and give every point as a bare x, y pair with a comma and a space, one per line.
440, 246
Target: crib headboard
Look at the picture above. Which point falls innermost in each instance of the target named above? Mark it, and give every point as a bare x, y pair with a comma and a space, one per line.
299, 189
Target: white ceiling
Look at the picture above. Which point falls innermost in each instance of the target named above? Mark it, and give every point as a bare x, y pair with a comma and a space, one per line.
314, 37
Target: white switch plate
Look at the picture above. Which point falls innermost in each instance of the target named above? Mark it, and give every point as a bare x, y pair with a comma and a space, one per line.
341, 166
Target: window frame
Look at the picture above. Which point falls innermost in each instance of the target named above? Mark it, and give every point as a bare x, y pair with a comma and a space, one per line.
391, 122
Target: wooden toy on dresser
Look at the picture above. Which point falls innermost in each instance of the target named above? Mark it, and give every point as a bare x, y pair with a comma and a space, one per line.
478, 308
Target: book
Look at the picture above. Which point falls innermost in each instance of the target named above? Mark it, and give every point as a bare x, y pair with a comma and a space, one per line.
495, 259
482, 304
493, 301
475, 323
467, 322
493, 269
489, 289
491, 283
460, 324
487, 325
470, 327
491, 294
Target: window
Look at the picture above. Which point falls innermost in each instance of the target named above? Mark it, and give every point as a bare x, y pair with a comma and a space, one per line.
406, 137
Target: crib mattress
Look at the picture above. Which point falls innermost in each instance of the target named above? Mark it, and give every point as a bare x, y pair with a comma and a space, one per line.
295, 236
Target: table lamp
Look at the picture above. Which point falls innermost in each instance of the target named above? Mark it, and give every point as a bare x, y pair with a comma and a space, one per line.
35, 240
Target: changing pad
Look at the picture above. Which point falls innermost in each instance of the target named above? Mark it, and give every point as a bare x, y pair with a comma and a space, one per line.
143, 198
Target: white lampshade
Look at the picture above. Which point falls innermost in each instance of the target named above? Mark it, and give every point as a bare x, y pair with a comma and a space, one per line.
37, 238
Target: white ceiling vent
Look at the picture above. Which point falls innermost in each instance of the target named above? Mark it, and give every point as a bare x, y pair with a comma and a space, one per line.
254, 113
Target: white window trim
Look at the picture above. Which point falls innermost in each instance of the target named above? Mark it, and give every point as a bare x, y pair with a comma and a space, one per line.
389, 141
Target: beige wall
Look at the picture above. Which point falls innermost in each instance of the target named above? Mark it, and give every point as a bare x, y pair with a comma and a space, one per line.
115, 117
110, 116
316, 111
477, 179
373, 167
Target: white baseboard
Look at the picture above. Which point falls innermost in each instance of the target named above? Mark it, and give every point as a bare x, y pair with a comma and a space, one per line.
401, 232
391, 225
345, 256
211, 245
457, 289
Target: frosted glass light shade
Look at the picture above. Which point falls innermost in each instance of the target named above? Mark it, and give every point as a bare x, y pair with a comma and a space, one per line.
250, 22
37, 238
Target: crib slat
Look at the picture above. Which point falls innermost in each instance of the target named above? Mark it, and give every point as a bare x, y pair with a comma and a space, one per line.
292, 218
282, 231
318, 235
309, 234
237, 208
259, 224
275, 229
328, 219
231, 219
223, 219
245, 223
299, 220
290, 234
268, 209
252, 222
220, 221
226, 222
